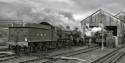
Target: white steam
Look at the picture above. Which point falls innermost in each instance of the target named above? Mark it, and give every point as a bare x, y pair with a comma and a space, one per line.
91, 32
96, 29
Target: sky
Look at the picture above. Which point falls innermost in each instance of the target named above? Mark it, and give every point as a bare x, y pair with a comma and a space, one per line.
56, 12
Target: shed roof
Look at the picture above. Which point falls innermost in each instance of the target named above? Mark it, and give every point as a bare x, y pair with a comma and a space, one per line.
101, 16
121, 16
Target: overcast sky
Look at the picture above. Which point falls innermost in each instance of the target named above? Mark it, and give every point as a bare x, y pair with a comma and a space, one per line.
69, 12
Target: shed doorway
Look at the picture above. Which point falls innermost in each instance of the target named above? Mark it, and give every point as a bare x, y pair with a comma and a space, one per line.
112, 28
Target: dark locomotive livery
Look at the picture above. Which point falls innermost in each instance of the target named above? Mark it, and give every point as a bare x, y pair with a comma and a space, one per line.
42, 37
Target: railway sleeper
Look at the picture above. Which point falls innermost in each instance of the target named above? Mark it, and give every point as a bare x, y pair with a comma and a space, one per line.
111, 58
118, 57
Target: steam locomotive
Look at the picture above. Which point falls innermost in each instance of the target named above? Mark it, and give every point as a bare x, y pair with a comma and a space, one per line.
41, 37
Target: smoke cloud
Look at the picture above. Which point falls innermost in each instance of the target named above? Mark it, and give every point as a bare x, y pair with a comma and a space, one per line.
70, 12
34, 14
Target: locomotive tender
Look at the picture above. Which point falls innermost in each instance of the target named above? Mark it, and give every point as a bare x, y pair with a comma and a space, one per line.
34, 37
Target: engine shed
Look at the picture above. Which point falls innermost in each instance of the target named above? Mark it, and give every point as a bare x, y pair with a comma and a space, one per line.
110, 23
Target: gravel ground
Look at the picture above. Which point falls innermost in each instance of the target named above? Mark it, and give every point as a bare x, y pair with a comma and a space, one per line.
87, 57
66, 50
58, 52
20, 59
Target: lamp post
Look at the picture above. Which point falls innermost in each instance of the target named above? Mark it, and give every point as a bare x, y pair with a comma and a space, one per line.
102, 26
102, 40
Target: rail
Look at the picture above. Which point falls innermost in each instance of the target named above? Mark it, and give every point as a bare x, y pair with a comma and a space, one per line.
109, 58
67, 54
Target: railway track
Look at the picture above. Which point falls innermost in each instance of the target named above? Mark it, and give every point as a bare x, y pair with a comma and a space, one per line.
115, 60
111, 57
4, 49
7, 57
56, 57
13, 58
